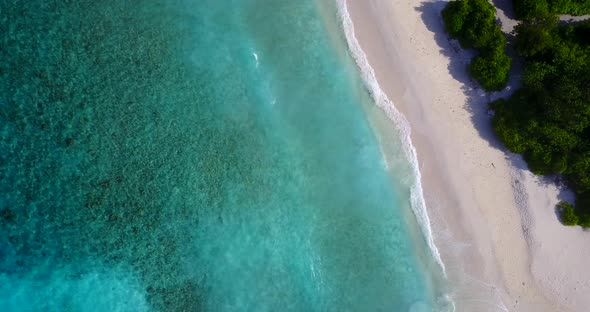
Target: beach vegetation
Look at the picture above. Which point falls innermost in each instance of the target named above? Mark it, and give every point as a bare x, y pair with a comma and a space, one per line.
473, 24
535, 34
548, 119
567, 214
527, 8
530, 8
491, 70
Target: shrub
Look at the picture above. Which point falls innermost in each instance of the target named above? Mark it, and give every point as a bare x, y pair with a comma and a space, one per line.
548, 119
510, 136
473, 23
535, 73
534, 34
491, 71
584, 221
567, 214
527, 8
574, 7
454, 16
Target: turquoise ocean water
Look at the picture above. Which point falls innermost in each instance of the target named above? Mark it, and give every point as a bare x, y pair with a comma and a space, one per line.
197, 155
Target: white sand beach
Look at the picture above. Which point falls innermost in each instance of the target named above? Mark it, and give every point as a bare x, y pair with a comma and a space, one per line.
493, 221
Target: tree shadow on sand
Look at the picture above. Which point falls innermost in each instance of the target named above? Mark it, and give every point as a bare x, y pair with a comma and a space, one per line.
459, 59
477, 99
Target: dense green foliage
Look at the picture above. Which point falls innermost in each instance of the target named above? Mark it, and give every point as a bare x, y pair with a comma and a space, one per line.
534, 35
491, 71
528, 8
473, 23
548, 120
568, 216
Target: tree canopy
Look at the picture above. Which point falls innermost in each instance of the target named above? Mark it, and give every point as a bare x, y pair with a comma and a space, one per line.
473, 23
529, 8
548, 120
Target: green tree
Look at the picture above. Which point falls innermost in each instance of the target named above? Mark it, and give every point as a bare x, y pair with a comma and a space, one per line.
548, 120
473, 23
455, 15
491, 71
535, 73
574, 7
567, 213
528, 8
533, 35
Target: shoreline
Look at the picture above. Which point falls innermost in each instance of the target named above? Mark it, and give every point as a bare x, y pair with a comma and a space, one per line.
499, 253
401, 124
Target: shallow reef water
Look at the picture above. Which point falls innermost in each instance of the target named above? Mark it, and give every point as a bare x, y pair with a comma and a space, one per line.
193, 155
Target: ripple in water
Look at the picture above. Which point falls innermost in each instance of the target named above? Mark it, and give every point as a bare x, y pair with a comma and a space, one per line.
152, 161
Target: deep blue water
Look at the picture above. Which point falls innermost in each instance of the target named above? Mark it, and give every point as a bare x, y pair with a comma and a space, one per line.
195, 155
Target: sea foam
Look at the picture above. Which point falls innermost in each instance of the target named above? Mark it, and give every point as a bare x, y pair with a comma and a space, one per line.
418, 203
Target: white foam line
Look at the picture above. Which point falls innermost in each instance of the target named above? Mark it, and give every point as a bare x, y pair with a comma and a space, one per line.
400, 122
255, 58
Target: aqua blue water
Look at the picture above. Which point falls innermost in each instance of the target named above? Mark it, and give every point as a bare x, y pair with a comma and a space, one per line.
195, 155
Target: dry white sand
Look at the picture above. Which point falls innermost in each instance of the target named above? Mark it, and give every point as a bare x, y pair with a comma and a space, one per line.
494, 222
